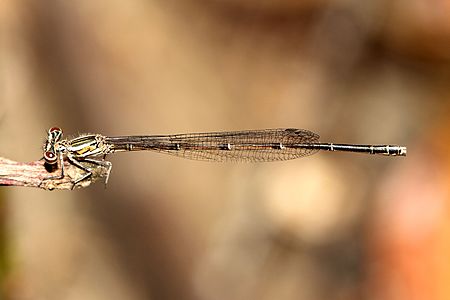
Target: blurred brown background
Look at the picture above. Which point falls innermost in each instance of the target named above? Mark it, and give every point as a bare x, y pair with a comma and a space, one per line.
331, 226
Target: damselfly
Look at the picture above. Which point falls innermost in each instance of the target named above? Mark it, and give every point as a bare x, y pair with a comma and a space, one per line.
249, 145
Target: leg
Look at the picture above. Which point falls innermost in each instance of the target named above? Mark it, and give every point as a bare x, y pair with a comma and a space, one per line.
101, 163
78, 164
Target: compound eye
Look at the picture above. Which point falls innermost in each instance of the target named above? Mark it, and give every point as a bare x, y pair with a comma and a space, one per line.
50, 157
55, 130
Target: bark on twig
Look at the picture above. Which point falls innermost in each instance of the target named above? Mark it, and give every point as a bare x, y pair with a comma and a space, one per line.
37, 174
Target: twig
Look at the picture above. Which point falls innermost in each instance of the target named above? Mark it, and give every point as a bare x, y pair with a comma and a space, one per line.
37, 174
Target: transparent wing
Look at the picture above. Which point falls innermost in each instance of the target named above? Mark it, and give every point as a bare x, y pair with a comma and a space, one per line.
250, 146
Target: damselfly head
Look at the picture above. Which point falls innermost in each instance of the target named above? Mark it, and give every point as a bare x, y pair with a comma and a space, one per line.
54, 136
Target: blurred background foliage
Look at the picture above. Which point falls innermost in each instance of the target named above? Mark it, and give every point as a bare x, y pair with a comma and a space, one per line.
332, 226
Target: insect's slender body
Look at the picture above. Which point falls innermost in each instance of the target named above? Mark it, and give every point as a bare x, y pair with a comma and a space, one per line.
251, 145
